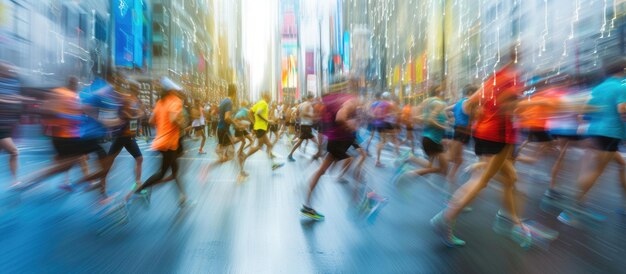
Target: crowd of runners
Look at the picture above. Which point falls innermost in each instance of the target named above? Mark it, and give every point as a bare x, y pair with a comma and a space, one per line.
505, 120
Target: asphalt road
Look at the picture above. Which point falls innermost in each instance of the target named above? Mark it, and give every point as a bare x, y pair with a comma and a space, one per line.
255, 226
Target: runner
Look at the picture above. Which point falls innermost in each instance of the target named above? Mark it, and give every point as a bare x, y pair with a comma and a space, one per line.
132, 111
384, 113
260, 114
461, 133
77, 130
606, 131
306, 123
10, 107
341, 108
242, 117
274, 127
434, 120
198, 124
406, 120
564, 125
494, 137
225, 147
374, 123
169, 120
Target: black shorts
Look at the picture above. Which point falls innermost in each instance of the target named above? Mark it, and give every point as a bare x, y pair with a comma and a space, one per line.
126, 142
260, 133
568, 137
317, 126
306, 132
274, 128
338, 149
241, 132
70, 147
223, 137
198, 128
5, 133
484, 147
384, 127
461, 134
431, 148
539, 136
604, 143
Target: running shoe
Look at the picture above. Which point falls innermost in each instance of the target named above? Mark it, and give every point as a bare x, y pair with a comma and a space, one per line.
568, 219
400, 171
201, 152
445, 231
379, 165
522, 235
584, 211
67, 187
311, 213
144, 196
402, 158
276, 166
290, 158
553, 194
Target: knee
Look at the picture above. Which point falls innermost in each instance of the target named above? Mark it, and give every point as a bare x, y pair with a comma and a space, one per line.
139, 160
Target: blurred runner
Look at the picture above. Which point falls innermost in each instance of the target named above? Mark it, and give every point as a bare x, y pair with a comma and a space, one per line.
407, 120
225, 147
260, 114
242, 118
461, 133
131, 112
306, 125
606, 132
198, 124
341, 108
384, 112
564, 125
10, 107
434, 119
169, 121
494, 137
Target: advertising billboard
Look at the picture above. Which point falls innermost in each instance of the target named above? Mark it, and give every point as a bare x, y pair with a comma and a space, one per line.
128, 17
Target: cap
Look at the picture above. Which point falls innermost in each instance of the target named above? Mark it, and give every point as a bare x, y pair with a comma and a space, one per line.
386, 95
168, 84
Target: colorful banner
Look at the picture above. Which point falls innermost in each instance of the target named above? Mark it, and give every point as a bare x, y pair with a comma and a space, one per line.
124, 43
138, 32
346, 51
129, 19
310, 62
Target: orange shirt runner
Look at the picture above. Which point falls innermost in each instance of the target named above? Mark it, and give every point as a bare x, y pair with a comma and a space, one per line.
167, 131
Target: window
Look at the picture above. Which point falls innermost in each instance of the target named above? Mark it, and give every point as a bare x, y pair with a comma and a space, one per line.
21, 26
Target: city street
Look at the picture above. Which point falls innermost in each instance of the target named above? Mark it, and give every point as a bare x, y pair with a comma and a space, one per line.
255, 226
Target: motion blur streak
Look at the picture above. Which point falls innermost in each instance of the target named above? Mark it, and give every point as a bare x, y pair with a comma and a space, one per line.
312, 136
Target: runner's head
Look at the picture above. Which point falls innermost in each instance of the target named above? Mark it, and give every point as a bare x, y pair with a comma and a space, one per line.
469, 90
232, 91
170, 87
615, 67
72, 83
435, 91
266, 96
133, 87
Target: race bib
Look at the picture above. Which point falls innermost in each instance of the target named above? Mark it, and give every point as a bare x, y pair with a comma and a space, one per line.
133, 125
105, 114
